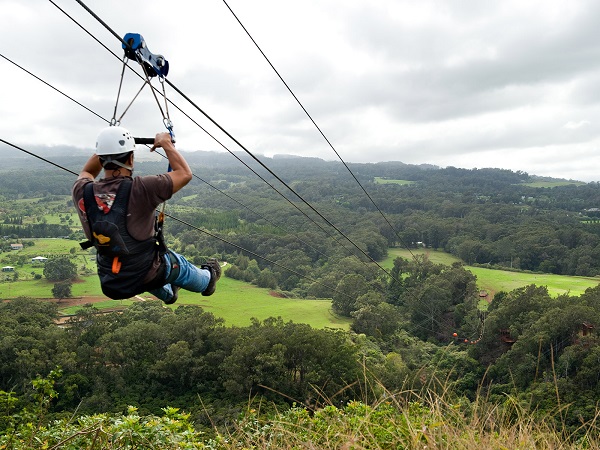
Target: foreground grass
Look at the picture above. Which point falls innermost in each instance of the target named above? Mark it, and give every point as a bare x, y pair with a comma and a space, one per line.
494, 280
397, 421
425, 423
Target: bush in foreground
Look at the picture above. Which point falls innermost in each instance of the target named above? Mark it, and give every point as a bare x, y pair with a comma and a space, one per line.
427, 421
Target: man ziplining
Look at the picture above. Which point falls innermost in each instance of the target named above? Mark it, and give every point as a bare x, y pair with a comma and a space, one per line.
119, 218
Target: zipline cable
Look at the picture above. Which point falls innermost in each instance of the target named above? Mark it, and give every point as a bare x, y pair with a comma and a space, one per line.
38, 157
213, 137
247, 151
244, 148
317, 127
49, 85
194, 175
275, 263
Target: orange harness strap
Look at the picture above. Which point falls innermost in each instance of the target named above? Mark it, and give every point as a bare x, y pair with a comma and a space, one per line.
116, 265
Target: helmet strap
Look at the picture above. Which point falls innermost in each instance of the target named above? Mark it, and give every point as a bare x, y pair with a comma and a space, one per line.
118, 163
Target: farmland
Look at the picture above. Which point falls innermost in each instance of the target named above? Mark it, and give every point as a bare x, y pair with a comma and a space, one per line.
493, 280
236, 302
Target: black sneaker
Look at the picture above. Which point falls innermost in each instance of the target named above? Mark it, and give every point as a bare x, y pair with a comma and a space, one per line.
212, 265
175, 295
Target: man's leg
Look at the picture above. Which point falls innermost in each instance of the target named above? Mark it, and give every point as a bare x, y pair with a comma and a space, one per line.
190, 278
164, 293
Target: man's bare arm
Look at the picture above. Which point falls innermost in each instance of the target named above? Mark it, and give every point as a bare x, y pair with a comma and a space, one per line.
92, 168
181, 173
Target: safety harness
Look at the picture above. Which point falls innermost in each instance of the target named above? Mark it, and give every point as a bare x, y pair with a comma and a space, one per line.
123, 261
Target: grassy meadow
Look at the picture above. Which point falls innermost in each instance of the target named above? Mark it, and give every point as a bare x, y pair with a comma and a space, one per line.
50, 246
235, 301
380, 180
503, 280
551, 184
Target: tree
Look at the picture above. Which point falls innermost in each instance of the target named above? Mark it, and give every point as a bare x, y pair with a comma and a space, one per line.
347, 292
380, 320
62, 289
60, 269
267, 279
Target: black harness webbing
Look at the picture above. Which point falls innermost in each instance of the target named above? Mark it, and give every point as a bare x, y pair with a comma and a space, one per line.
123, 261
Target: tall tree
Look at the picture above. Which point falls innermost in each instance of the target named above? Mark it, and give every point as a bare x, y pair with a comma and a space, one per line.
60, 269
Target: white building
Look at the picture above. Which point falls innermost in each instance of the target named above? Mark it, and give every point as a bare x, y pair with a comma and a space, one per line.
39, 259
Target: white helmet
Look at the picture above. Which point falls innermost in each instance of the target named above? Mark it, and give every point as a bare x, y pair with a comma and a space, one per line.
114, 141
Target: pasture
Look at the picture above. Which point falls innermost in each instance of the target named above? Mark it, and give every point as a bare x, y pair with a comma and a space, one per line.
235, 301
503, 280
380, 180
554, 183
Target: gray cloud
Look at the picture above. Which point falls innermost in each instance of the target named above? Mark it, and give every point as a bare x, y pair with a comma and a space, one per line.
447, 83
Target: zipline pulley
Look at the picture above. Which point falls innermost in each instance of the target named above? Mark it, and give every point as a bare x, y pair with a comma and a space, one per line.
137, 50
154, 65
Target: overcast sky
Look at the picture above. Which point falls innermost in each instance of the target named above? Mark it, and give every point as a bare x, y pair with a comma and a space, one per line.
512, 84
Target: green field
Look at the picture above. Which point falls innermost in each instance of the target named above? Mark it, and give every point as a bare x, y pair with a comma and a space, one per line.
50, 246
87, 286
380, 180
69, 219
433, 255
21, 261
503, 280
551, 184
235, 301
496, 280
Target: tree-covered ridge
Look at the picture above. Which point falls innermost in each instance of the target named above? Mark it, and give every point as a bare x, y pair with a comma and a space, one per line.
150, 355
